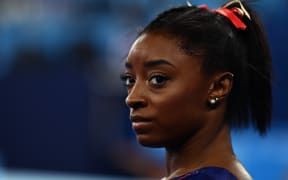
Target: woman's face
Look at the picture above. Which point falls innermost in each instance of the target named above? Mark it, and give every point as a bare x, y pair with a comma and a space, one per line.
167, 92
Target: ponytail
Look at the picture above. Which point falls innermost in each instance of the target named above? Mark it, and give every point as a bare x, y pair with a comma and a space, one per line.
259, 72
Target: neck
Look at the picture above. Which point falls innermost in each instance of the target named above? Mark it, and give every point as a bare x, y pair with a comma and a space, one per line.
202, 150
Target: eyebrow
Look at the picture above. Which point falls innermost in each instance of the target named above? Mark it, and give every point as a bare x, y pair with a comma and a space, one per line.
152, 63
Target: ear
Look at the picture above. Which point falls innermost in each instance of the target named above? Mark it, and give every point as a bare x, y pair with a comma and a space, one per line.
221, 85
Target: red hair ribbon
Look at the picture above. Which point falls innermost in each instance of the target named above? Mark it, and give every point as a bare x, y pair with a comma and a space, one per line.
229, 14
203, 6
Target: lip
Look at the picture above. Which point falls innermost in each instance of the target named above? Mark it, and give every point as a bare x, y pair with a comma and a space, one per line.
137, 118
140, 124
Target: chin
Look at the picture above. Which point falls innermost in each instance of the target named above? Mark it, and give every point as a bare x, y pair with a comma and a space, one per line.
149, 142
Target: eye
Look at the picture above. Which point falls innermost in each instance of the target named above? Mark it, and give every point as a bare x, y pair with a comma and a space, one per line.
128, 80
158, 80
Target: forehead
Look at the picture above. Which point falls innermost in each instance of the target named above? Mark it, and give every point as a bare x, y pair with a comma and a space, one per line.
149, 47
155, 46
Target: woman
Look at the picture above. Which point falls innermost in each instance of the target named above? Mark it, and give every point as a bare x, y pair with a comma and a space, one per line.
192, 75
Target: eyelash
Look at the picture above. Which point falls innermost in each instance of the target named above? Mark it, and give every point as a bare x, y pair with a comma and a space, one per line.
128, 80
156, 77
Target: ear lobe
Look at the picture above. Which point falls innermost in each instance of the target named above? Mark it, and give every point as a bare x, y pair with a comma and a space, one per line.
221, 85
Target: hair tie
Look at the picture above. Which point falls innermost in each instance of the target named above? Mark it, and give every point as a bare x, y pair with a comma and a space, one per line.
230, 13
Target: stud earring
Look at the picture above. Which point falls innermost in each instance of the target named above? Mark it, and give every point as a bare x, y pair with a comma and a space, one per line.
213, 102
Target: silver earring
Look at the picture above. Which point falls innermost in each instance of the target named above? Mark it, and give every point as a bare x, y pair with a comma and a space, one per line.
213, 101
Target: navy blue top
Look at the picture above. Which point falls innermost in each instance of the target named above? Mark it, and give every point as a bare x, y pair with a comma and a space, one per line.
208, 173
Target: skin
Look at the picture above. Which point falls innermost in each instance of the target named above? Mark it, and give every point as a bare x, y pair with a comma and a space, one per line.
167, 96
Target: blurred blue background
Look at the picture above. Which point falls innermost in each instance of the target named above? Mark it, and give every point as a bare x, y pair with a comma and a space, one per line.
62, 104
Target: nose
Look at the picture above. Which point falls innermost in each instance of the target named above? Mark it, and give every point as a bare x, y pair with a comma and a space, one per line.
136, 98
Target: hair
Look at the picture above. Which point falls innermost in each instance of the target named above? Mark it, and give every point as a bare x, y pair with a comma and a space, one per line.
245, 53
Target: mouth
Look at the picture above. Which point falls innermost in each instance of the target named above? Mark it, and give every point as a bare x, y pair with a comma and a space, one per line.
137, 118
140, 124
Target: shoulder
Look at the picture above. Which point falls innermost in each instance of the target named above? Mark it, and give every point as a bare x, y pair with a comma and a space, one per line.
238, 170
208, 173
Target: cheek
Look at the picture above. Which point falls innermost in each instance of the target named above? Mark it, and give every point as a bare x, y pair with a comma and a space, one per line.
181, 107
178, 118
181, 99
